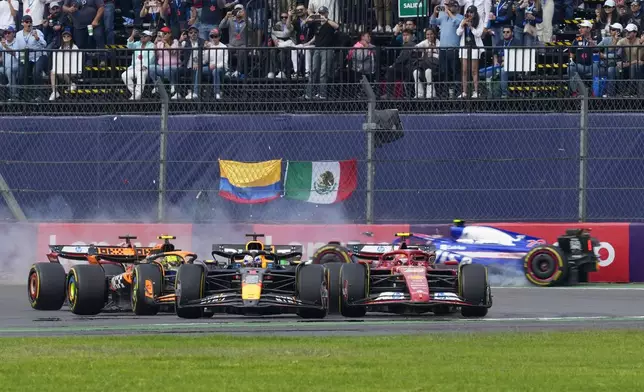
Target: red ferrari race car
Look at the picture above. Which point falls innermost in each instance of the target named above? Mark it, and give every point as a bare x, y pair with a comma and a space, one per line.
403, 279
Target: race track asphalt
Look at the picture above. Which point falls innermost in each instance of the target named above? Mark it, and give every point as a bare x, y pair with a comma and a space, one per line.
514, 309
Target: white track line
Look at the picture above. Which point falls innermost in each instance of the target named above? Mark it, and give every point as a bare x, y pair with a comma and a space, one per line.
567, 288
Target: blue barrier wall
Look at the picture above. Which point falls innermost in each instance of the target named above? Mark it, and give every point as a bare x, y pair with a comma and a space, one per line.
483, 166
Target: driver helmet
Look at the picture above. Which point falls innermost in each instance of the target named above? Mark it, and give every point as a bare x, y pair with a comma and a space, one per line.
248, 260
401, 260
258, 261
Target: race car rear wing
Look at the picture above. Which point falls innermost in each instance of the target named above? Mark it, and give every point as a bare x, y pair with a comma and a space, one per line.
374, 251
93, 253
282, 252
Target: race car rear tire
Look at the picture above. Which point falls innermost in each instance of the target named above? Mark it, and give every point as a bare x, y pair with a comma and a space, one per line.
190, 285
112, 269
86, 289
143, 294
46, 286
474, 288
546, 266
354, 285
311, 285
332, 256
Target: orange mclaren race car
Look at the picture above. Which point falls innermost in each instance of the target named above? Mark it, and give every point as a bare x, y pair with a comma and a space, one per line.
115, 278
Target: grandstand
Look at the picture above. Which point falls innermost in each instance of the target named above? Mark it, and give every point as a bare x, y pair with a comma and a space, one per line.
100, 88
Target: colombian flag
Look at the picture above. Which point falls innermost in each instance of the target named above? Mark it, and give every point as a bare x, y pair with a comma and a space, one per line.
250, 183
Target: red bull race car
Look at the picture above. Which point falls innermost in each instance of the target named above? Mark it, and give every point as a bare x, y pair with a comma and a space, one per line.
257, 279
116, 278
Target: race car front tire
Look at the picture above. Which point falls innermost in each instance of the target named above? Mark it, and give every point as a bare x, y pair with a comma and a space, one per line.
312, 287
147, 282
86, 289
546, 266
46, 286
190, 285
332, 256
474, 288
354, 285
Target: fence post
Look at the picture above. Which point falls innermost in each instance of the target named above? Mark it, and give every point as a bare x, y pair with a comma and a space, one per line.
11, 201
369, 127
583, 148
165, 103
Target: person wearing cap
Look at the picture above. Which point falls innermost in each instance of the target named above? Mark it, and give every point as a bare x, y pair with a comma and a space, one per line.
168, 56
10, 60
55, 24
631, 54
67, 63
8, 12
527, 14
608, 56
322, 59
581, 56
191, 63
606, 16
635, 16
143, 59
215, 61
483, 8
37, 62
470, 31
448, 20
237, 23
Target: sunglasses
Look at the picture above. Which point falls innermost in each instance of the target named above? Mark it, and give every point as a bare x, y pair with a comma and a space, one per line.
507, 32
26, 22
214, 36
284, 17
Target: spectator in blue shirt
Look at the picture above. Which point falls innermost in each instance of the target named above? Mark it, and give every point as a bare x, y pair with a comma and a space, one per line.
37, 62
500, 16
448, 19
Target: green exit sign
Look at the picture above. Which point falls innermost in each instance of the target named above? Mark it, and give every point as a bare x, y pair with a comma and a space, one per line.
412, 8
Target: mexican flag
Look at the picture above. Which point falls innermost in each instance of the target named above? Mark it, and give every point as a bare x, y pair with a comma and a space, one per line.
320, 182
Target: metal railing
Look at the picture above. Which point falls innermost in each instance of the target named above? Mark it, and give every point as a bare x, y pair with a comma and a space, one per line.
292, 79
568, 158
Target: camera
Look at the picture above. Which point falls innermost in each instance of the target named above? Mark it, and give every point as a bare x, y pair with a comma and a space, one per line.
235, 12
440, 8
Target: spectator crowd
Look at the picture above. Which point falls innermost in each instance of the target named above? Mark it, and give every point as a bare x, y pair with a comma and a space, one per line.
187, 42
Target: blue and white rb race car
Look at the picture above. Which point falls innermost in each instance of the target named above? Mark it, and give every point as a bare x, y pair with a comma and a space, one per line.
510, 254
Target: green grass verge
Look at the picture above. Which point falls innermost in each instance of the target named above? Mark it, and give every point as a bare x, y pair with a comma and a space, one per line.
554, 361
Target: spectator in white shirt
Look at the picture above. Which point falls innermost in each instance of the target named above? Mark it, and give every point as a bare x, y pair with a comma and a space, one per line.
8, 12
215, 59
67, 63
428, 65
